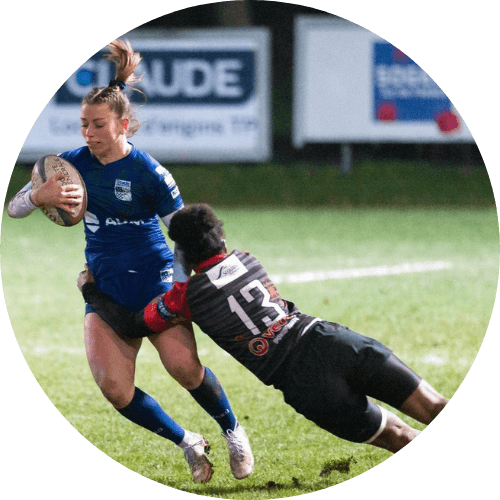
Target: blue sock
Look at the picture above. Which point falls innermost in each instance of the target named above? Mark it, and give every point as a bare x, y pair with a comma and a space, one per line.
211, 397
143, 410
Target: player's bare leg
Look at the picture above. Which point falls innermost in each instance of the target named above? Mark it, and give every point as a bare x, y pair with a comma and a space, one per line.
111, 359
112, 362
179, 355
395, 435
424, 403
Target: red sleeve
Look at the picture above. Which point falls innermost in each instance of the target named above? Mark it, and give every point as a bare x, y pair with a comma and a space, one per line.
159, 314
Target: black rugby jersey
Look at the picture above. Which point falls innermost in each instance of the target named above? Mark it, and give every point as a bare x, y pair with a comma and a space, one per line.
236, 304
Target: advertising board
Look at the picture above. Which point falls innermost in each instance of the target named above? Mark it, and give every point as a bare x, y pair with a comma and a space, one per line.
352, 86
208, 98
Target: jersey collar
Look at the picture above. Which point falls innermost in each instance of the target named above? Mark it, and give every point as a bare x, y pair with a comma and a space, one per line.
210, 262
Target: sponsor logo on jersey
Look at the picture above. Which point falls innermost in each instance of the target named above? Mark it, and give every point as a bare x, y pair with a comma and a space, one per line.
110, 221
123, 190
166, 275
226, 271
260, 345
167, 176
91, 221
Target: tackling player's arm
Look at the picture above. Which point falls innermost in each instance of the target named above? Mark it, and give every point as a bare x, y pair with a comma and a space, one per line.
154, 318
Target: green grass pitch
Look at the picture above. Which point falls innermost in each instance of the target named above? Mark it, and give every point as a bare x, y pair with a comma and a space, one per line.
435, 321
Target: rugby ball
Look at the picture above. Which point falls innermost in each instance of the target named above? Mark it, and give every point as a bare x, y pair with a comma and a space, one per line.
44, 169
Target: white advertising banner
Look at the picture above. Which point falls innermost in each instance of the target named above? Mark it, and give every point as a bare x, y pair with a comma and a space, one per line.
352, 86
208, 98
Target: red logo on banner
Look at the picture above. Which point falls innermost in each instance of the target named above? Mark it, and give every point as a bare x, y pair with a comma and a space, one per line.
387, 111
447, 122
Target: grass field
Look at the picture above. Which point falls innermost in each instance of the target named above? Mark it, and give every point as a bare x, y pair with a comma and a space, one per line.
434, 320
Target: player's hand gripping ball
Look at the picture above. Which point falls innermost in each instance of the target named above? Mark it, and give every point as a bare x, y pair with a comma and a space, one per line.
45, 168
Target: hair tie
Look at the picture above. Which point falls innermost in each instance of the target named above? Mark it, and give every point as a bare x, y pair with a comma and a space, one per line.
117, 83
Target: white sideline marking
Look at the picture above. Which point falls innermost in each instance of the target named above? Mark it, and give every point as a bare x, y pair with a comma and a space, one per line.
431, 359
361, 272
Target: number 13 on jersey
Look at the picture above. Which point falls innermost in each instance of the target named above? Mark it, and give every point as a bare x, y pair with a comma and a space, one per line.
250, 311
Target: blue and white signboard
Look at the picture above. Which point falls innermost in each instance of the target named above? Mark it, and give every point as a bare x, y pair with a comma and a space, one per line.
352, 86
402, 86
208, 98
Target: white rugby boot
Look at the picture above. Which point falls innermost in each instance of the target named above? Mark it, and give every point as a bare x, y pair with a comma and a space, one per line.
240, 454
196, 449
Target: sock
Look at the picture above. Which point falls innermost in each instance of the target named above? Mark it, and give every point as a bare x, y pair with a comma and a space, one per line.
211, 397
143, 410
190, 439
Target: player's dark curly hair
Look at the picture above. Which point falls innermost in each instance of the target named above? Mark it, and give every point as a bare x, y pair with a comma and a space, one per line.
198, 232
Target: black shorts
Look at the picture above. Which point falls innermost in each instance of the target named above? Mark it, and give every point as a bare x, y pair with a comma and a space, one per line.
330, 373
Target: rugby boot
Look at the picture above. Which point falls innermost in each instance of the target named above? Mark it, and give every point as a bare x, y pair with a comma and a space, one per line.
240, 454
196, 457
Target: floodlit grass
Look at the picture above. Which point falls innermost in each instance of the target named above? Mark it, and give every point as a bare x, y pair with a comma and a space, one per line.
435, 321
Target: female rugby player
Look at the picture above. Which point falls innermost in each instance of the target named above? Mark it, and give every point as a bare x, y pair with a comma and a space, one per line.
128, 191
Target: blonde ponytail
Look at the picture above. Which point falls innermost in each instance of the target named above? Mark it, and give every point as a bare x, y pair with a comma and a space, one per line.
126, 61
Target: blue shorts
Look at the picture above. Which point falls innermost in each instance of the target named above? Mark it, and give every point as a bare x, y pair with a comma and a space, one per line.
137, 288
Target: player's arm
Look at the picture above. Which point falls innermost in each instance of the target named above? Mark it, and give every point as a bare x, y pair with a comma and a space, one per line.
21, 205
128, 324
181, 269
168, 201
51, 193
154, 318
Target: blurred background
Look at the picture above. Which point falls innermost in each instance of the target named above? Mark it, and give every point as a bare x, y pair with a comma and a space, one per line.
260, 92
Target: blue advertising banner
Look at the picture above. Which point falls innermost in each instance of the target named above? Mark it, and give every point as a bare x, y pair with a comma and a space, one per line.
402, 90
175, 77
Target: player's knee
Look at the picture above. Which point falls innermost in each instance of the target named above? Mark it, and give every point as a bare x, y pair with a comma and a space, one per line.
188, 376
424, 404
433, 408
117, 393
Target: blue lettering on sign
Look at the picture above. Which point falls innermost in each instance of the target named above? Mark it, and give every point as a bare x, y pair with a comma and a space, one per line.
402, 90
174, 77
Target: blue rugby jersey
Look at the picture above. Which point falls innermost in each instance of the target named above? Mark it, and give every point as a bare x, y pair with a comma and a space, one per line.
125, 198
